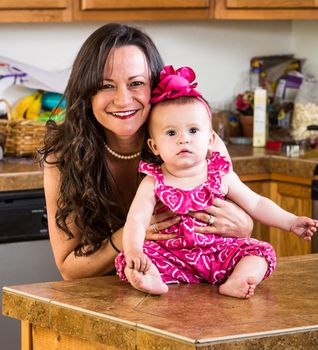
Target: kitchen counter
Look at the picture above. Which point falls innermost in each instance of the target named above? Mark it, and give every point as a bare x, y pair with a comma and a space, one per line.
261, 164
20, 174
105, 313
250, 163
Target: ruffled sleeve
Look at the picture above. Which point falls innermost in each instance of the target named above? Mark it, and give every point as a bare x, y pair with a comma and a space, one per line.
150, 169
218, 163
217, 167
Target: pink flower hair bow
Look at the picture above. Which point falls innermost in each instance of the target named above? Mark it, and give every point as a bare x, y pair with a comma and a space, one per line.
175, 83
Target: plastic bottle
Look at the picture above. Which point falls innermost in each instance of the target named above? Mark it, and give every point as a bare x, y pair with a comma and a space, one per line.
254, 78
260, 118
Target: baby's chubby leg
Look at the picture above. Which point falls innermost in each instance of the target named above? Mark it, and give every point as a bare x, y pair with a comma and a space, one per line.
247, 274
148, 282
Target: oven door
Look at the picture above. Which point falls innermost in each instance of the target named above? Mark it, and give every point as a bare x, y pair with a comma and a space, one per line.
22, 216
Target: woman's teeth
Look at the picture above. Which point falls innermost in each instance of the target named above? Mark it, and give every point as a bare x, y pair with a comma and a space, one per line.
123, 114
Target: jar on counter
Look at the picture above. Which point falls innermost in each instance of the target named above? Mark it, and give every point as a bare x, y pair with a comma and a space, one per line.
305, 109
313, 135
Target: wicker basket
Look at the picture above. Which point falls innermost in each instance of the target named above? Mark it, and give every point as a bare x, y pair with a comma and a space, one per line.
22, 137
4, 123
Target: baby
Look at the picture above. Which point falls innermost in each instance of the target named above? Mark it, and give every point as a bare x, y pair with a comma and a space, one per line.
181, 135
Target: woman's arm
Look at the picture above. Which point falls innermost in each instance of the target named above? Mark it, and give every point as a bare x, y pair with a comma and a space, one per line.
219, 146
102, 261
69, 265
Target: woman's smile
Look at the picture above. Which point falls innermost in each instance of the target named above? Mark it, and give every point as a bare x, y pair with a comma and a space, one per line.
124, 114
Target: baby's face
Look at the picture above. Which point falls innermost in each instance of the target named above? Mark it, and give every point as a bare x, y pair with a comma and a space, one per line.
180, 133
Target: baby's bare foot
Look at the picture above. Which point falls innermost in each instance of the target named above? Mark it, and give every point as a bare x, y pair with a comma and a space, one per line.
148, 283
239, 286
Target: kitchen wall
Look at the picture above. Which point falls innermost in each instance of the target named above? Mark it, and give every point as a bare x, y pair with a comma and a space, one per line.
218, 50
305, 44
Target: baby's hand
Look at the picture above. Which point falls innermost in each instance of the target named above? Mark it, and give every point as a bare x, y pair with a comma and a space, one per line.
138, 261
304, 227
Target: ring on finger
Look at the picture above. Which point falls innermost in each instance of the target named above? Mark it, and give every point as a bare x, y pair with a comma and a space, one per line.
154, 228
211, 220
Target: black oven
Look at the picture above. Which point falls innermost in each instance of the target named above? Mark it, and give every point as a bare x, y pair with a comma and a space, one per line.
22, 216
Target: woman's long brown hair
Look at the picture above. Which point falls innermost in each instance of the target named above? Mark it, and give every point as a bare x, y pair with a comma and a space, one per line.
77, 144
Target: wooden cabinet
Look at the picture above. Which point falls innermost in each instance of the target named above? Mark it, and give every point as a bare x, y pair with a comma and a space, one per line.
266, 9
127, 10
296, 199
293, 197
260, 231
154, 10
35, 11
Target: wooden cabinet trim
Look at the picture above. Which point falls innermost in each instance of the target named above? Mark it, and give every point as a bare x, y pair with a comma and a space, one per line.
270, 4
33, 4
254, 177
41, 11
275, 177
143, 10
26, 335
222, 10
142, 4
128, 16
290, 179
140, 14
36, 11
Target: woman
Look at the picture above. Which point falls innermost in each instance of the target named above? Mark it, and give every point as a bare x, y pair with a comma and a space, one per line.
91, 160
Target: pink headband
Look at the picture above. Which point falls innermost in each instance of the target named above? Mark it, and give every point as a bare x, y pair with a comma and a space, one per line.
177, 83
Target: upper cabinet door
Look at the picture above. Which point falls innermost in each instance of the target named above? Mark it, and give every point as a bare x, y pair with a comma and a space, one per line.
142, 4
128, 10
36, 11
268, 4
266, 9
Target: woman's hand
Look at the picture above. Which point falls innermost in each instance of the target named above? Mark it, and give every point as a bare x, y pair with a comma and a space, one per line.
160, 221
224, 218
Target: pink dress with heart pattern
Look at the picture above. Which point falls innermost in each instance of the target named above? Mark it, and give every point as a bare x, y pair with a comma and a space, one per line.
194, 257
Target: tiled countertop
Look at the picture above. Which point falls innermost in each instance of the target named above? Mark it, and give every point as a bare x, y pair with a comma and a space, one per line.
254, 161
283, 314
21, 174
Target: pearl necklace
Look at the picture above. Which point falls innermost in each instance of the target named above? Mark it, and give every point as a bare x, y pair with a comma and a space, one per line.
121, 156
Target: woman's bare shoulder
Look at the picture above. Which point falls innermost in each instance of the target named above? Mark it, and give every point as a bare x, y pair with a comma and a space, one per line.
51, 173
50, 160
